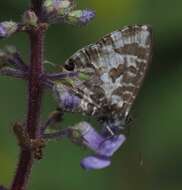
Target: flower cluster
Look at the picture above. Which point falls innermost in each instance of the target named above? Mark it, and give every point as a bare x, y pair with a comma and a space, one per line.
54, 11
101, 144
63, 11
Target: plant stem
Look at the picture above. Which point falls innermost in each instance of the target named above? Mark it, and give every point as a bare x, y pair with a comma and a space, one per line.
35, 89
23, 170
35, 86
37, 6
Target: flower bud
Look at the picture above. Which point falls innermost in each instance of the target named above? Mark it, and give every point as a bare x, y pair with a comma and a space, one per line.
80, 17
29, 18
9, 56
48, 6
67, 100
63, 7
7, 28
58, 7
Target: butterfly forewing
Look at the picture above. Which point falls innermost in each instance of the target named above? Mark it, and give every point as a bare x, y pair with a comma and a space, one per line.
115, 66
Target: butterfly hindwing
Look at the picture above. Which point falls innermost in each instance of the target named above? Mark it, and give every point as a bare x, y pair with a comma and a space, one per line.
115, 67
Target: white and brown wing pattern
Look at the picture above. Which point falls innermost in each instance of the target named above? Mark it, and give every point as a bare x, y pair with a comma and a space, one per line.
115, 66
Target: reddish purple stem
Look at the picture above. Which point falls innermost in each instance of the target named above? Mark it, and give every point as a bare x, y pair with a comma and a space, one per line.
35, 86
35, 89
23, 170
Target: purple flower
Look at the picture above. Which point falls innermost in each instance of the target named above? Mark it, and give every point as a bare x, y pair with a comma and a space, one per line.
80, 17
87, 16
92, 139
103, 146
95, 162
67, 100
111, 145
70, 101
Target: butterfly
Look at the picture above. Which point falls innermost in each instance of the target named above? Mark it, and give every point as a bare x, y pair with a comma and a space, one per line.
110, 74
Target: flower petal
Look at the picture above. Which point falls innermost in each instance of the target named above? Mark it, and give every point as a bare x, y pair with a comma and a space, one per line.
101, 145
95, 162
111, 145
92, 139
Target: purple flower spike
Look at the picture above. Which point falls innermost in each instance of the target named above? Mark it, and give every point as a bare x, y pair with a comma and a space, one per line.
110, 146
95, 162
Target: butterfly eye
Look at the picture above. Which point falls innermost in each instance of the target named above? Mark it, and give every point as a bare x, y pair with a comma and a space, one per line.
70, 66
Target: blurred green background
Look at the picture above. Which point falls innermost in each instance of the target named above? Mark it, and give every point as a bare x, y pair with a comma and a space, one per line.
155, 138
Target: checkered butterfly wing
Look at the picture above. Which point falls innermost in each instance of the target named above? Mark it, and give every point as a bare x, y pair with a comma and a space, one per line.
115, 67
